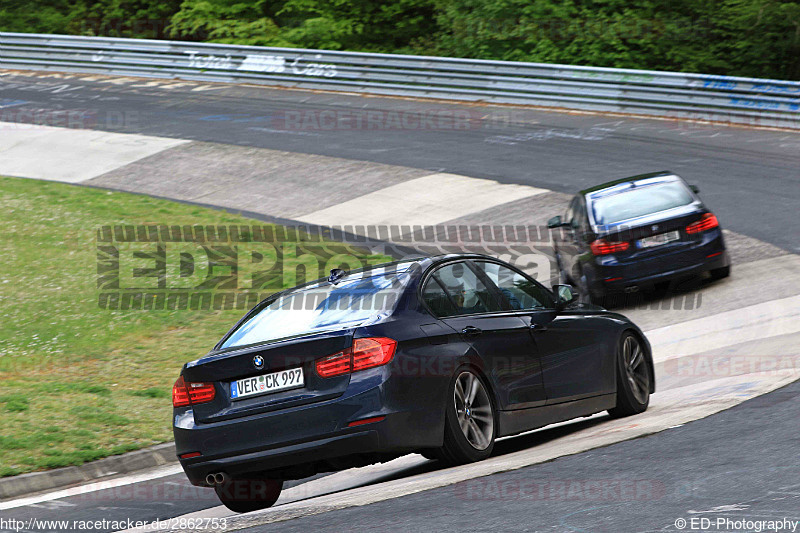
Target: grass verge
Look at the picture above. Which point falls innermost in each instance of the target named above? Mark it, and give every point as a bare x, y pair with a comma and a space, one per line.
77, 382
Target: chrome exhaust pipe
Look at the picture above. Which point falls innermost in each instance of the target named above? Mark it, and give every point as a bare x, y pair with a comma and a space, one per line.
218, 478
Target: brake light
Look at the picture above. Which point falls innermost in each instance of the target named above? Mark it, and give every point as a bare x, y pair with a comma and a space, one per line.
706, 222
184, 394
201, 392
335, 365
604, 247
365, 353
180, 396
368, 353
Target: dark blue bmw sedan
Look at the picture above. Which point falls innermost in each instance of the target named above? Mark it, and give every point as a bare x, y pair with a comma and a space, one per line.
436, 355
635, 233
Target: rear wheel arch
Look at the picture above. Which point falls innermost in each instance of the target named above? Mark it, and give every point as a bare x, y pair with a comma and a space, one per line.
470, 365
455, 448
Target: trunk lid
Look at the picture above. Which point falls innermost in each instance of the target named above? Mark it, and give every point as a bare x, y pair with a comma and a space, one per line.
656, 224
226, 367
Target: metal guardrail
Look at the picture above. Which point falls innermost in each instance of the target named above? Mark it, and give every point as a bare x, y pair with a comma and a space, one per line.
752, 101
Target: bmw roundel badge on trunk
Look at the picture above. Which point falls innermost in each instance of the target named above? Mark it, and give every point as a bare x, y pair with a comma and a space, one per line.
258, 362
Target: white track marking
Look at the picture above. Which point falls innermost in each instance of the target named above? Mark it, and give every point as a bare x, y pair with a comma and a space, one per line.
155, 473
422, 201
71, 155
754, 322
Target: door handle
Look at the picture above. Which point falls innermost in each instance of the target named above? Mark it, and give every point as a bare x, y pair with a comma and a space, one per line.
471, 331
538, 327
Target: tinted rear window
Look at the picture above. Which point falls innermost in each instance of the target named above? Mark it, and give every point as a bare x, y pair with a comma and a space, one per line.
639, 201
326, 306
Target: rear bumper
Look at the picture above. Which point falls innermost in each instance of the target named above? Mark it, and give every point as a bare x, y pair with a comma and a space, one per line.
302, 441
708, 254
313, 454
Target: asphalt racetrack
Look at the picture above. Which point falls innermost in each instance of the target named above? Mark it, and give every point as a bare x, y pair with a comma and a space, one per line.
716, 445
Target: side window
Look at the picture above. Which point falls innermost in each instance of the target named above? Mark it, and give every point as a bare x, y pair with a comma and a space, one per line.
437, 300
520, 291
467, 292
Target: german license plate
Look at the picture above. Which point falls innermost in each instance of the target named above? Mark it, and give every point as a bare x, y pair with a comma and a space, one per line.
272, 382
657, 240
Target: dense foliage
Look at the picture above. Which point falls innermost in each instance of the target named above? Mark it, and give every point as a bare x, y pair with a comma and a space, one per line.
737, 37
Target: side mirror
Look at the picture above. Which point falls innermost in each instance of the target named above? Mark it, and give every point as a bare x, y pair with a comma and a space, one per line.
554, 222
695, 189
565, 295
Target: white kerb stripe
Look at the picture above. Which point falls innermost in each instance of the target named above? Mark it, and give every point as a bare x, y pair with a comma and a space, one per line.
751, 323
71, 155
422, 201
155, 473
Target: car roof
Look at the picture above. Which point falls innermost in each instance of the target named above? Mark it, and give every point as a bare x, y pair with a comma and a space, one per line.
666, 174
424, 261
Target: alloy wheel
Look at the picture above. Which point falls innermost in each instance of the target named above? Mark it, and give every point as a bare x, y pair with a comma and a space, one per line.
474, 410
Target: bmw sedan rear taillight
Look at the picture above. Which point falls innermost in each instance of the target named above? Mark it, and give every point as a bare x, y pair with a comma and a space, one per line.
706, 222
604, 247
184, 394
365, 353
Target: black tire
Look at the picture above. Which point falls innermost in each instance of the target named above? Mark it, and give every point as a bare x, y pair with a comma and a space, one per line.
633, 377
245, 495
480, 414
430, 453
719, 273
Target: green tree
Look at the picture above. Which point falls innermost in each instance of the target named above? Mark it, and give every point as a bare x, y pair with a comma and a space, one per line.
759, 38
